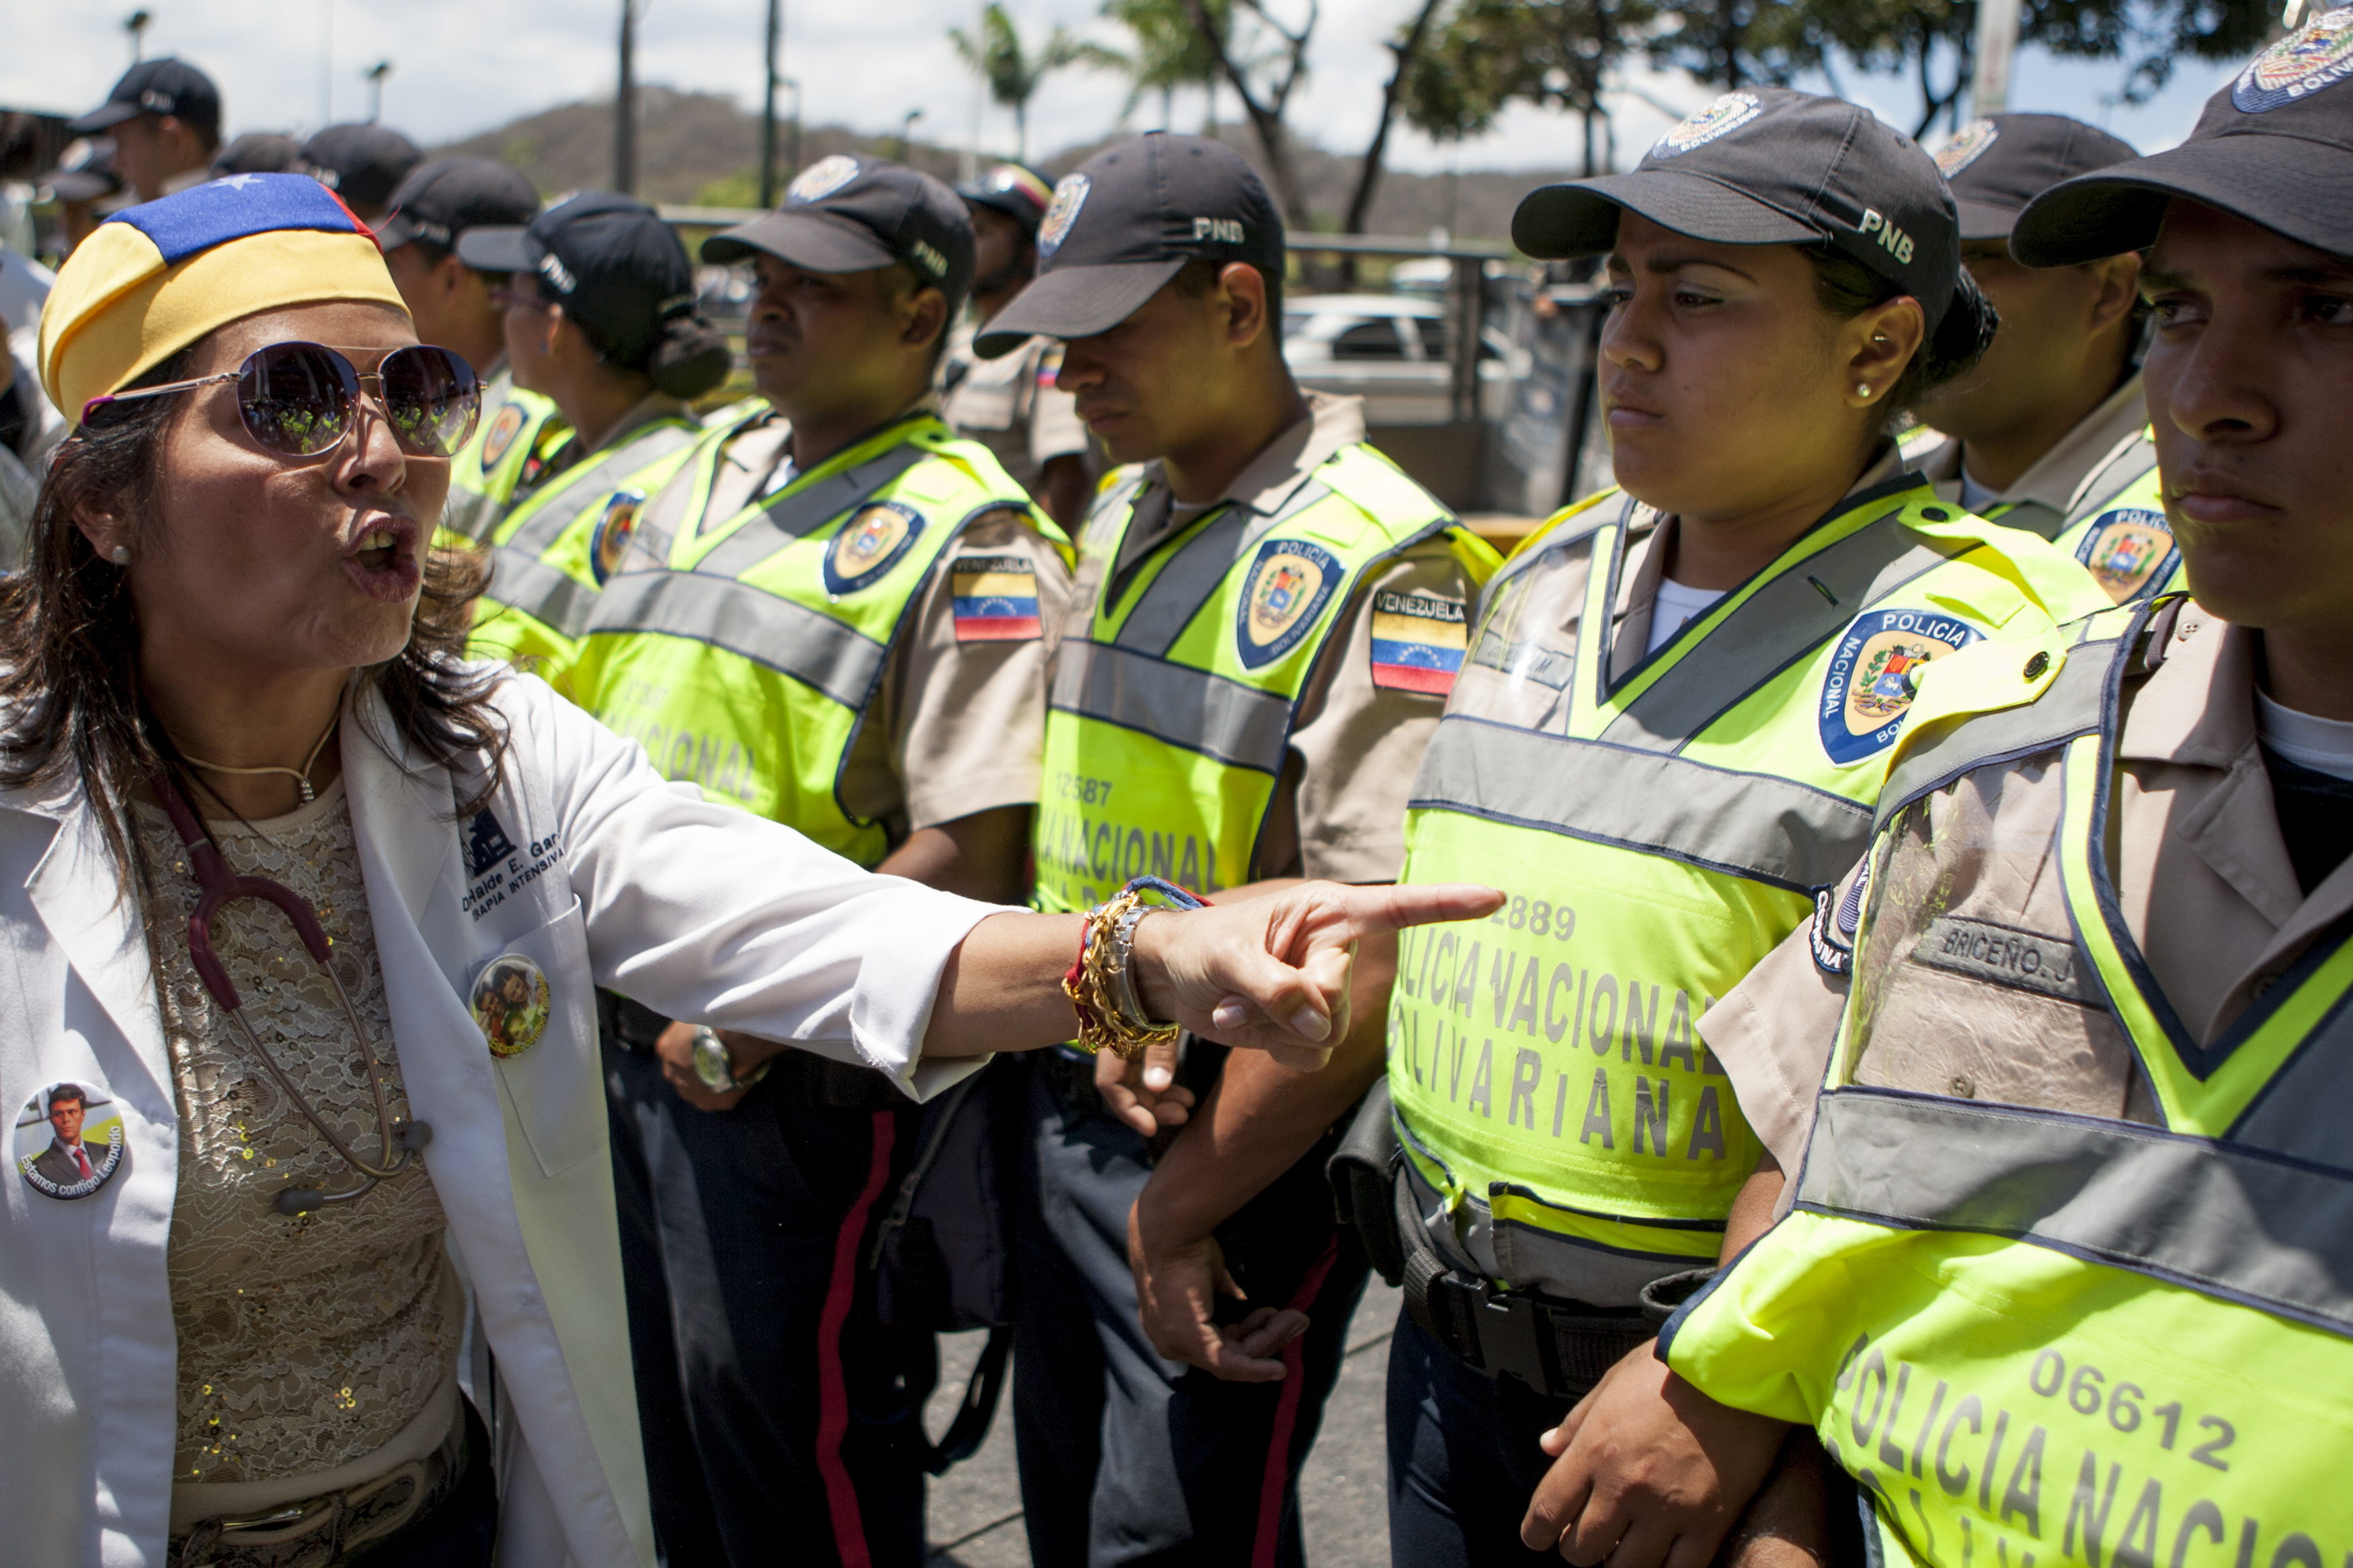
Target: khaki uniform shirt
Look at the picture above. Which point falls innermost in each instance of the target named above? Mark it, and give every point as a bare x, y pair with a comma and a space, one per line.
2043, 496
1011, 405
2203, 875
1339, 808
957, 727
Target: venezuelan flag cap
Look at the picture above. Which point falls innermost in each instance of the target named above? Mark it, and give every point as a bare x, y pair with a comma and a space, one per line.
156, 278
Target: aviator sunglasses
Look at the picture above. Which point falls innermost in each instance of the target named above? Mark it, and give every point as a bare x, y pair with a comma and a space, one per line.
300, 400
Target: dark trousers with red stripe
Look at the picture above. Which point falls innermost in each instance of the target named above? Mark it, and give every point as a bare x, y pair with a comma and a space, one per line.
1129, 1459
782, 1419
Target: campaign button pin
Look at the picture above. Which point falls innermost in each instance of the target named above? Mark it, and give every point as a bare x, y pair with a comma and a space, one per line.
510, 1003
69, 1140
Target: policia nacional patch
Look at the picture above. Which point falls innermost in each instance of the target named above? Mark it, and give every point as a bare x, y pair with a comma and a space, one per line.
1287, 588
609, 545
869, 544
501, 435
1875, 674
2126, 547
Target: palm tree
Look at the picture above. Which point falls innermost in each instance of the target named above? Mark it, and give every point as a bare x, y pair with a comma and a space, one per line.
1014, 72
1171, 51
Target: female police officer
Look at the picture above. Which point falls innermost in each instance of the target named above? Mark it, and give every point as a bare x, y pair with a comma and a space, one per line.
1670, 720
2066, 1271
600, 318
234, 1334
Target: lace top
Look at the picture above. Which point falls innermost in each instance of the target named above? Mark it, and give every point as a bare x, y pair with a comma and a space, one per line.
305, 1343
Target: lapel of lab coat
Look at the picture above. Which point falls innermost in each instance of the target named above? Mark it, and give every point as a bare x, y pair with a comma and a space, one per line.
541, 1253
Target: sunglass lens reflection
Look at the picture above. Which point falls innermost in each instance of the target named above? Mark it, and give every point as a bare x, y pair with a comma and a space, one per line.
295, 398
432, 397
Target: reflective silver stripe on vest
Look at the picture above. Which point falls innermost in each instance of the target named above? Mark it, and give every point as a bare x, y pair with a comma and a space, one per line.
521, 580
2034, 517
1199, 566
2069, 706
776, 633
2222, 1218
799, 514
2128, 468
558, 599
470, 513
1750, 824
1785, 620
1189, 709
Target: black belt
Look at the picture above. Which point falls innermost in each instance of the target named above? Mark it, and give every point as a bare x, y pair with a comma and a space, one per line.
837, 1086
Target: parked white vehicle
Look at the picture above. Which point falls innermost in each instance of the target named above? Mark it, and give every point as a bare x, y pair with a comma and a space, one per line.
1391, 350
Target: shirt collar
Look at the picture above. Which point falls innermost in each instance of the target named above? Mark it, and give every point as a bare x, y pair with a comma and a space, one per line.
1274, 475
2058, 472
2198, 708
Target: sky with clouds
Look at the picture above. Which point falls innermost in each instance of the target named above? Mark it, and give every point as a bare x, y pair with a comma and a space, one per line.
462, 66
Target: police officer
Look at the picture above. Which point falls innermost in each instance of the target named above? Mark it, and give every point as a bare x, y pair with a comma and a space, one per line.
599, 318
362, 163
2060, 389
457, 305
1670, 719
1266, 617
2061, 1276
164, 117
1010, 404
834, 615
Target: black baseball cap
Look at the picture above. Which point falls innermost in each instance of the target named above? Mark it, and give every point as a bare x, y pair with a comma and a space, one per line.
2276, 147
256, 153
1126, 221
848, 212
85, 171
361, 164
1998, 164
443, 199
1767, 165
611, 262
166, 86
1018, 192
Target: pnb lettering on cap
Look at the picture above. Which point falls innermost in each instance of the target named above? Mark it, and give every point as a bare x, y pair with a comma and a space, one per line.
1219, 230
557, 273
1897, 243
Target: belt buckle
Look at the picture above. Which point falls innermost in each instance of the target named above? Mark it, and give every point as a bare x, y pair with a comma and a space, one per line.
1497, 1331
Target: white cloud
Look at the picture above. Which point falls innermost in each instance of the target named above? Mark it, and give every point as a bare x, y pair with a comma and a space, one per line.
461, 65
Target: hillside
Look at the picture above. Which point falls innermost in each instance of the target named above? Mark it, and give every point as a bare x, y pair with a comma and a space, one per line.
704, 147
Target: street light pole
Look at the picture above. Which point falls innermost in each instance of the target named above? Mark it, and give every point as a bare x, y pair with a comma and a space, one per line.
768, 108
135, 25
793, 145
625, 106
907, 132
375, 75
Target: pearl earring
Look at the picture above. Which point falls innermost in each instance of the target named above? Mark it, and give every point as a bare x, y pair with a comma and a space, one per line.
120, 555
1862, 389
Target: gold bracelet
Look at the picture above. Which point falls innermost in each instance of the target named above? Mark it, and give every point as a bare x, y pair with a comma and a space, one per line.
1100, 981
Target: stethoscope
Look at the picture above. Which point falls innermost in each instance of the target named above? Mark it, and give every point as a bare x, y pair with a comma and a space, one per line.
222, 887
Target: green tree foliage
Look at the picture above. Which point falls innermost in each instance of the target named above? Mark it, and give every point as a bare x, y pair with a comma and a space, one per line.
1171, 52
1014, 70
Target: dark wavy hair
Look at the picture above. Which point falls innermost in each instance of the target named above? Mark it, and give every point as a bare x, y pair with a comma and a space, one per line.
71, 703
1846, 288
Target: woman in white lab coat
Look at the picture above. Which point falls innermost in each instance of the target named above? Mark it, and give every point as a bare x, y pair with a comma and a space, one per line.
253, 1189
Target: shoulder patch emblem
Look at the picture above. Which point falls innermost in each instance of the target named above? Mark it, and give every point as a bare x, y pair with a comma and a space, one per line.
609, 545
995, 598
2319, 54
1062, 213
1287, 587
868, 545
501, 435
1725, 115
2127, 549
1418, 642
1875, 674
1968, 146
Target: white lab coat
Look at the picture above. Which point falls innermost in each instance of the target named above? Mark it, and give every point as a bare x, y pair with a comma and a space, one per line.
603, 873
